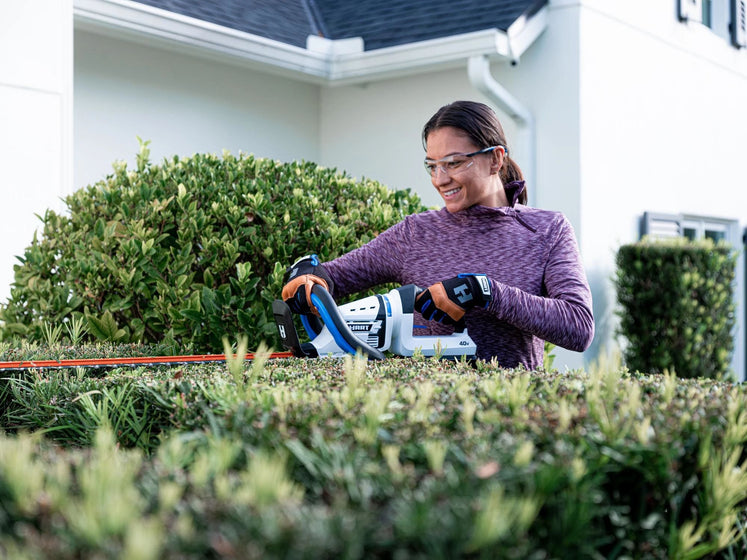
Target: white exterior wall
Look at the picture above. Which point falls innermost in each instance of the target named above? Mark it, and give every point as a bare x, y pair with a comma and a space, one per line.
663, 121
183, 105
36, 64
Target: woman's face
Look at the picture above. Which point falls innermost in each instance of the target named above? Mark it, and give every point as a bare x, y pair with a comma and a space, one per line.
463, 182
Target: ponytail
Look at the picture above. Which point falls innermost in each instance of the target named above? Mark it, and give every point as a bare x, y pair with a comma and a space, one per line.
511, 172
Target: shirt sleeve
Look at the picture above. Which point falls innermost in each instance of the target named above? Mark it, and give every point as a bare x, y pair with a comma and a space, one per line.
563, 314
377, 262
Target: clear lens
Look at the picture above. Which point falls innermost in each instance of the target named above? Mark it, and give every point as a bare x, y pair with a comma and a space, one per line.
452, 164
448, 165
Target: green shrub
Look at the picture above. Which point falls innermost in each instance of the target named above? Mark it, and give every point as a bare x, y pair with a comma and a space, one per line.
190, 250
405, 458
677, 307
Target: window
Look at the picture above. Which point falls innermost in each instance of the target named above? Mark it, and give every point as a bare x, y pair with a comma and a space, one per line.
706, 13
725, 18
703, 229
693, 227
695, 10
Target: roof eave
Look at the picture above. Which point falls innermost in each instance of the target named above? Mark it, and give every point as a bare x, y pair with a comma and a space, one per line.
522, 33
414, 58
426, 56
133, 21
145, 24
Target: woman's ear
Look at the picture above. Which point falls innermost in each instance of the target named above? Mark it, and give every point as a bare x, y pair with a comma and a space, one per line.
496, 162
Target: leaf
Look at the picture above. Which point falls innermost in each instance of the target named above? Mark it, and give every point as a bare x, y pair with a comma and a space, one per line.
209, 301
191, 314
105, 328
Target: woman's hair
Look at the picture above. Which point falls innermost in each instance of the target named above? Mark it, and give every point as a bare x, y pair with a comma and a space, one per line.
480, 123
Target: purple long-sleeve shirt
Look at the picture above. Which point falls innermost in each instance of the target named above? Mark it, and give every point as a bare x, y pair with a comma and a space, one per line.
531, 257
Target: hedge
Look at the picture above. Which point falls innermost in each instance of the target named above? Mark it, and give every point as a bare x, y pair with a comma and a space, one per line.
406, 458
191, 250
677, 308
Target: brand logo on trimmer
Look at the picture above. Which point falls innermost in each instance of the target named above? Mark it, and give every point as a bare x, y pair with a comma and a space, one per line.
373, 326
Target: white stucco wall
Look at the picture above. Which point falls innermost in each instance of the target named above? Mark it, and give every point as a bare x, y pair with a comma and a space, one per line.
663, 120
183, 105
35, 120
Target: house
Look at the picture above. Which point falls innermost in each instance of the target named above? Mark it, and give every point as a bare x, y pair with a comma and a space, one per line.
626, 115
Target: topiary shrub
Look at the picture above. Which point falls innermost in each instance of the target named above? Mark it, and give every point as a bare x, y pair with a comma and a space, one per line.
190, 250
677, 309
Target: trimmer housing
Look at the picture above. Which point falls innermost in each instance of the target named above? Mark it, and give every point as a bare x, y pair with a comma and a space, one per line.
371, 325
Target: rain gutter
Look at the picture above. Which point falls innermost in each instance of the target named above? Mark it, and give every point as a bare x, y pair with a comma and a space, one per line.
483, 81
519, 37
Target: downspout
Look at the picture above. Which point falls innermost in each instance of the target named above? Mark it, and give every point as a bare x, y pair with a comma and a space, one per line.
481, 79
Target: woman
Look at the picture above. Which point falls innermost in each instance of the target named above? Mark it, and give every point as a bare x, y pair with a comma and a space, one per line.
512, 273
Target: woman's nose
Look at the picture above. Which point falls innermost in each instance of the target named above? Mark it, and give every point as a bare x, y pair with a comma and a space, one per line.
440, 177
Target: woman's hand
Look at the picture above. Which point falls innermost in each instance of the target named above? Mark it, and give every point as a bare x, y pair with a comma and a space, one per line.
448, 300
301, 277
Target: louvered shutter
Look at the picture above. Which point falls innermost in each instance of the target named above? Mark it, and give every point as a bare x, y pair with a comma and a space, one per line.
660, 226
738, 23
691, 10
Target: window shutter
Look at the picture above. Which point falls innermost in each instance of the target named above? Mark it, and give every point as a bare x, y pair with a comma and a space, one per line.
691, 10
738, 23
660, 226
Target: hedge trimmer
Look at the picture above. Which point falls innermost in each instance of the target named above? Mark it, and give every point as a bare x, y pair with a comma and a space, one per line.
371, 326
122, 362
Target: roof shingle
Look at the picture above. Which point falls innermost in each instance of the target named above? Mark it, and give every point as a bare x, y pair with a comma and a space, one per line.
380, 23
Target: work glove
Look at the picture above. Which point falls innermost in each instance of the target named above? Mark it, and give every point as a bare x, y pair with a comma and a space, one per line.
448, 300
301, 277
